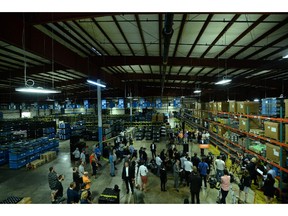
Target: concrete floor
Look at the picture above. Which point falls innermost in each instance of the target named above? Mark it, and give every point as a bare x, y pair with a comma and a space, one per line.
34, 183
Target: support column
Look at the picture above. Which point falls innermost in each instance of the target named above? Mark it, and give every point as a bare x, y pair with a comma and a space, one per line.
99, 109
131, 109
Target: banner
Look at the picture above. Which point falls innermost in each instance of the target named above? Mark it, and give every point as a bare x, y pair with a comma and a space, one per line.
121, 103
104, 105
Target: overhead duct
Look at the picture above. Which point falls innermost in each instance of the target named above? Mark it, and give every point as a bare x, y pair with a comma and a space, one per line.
167, 35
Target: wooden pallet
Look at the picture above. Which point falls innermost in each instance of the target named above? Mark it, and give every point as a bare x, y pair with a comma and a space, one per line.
25, 200
48, 156
37, 163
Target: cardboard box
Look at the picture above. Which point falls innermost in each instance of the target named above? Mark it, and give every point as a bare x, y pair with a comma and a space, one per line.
48, 156
286, 108
204, 114
245, 107
272, 129
206, 106
25, 200
215, 106
223, 106
273, 153
232, 106
211, 104
199, 106
254, 124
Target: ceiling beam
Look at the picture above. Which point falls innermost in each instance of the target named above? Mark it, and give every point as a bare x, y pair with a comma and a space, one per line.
220, 34
110, 61
183, 22
40, 44
43, 18
141, 33
250, 28
261, 37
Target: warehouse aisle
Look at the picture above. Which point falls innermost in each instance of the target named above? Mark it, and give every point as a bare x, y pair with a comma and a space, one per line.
34, 183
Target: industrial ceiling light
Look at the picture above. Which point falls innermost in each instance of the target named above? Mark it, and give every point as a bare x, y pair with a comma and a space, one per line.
223, 81
96, 83
29, 83
197, 91
285, 57
39, 90
256, 100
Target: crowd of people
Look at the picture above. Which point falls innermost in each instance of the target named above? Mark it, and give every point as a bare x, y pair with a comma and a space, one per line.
187, 170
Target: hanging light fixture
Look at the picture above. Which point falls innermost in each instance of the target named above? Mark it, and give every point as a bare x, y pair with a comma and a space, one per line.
96, 83
197, 91
223, 81
29, 83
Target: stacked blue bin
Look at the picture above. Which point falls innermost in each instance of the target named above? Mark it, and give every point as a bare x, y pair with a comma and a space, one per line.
22, 153
272, 106
49, 132
65, 131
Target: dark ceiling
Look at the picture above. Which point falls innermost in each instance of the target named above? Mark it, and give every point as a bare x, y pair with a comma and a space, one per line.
146, 53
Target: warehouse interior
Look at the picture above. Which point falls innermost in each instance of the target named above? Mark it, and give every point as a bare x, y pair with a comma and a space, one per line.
156, 74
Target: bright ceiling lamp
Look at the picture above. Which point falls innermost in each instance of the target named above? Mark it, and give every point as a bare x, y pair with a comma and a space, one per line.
38, 90
285, 57
197, 91
96, 83
223, 81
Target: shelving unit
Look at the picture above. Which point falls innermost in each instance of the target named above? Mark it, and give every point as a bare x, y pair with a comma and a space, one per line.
221, 124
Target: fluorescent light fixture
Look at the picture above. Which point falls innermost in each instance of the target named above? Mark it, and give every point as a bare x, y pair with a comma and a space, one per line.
96, 51
256, 100
197, 91
96, 83
258, 73
38, 90
285, 57
223, 81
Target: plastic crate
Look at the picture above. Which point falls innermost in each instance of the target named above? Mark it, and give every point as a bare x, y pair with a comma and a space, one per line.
15, 157
3, 161
17, 164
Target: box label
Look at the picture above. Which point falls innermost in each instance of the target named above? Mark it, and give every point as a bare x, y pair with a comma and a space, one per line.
273, 129
275, 153
241, 106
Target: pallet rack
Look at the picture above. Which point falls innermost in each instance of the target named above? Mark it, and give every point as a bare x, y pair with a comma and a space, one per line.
223, 143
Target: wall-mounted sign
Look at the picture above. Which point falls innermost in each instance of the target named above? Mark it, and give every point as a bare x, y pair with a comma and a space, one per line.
121, 103
104, 105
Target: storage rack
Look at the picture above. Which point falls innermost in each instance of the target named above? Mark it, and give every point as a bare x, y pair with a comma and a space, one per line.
22, 153
199, 117
64, 131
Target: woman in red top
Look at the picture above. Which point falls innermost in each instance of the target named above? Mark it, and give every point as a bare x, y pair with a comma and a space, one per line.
225, 186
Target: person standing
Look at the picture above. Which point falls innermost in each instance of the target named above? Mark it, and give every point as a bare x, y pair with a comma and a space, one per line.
112, 166
144, 156
153, 150
143, 171
203, 169
128, 176
81, 170
94, 167
97, 152
76, 179
195, 186
114, 158
269, 189
59, 190
201, 142
225, 186
220, 166
188, 166
163, 177
76, 155
245, 181
176, 171
52, 180
83, 157
158, 162
72, 194
195, 160
86, 181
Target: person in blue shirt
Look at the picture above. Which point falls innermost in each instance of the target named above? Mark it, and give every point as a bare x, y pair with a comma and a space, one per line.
203, 168
112, 166
97, 151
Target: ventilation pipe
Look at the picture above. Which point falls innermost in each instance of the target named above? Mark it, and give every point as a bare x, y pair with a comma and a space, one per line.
167, 35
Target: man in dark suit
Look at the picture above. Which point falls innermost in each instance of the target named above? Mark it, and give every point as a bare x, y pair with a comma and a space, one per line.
153, 150
128, 176
195, 185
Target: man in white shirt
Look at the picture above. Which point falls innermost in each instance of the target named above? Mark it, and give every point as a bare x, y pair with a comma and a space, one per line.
81, 170
158, 163
188, 167
182, 172
83, 157
76, 154
143, 171
220, 166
